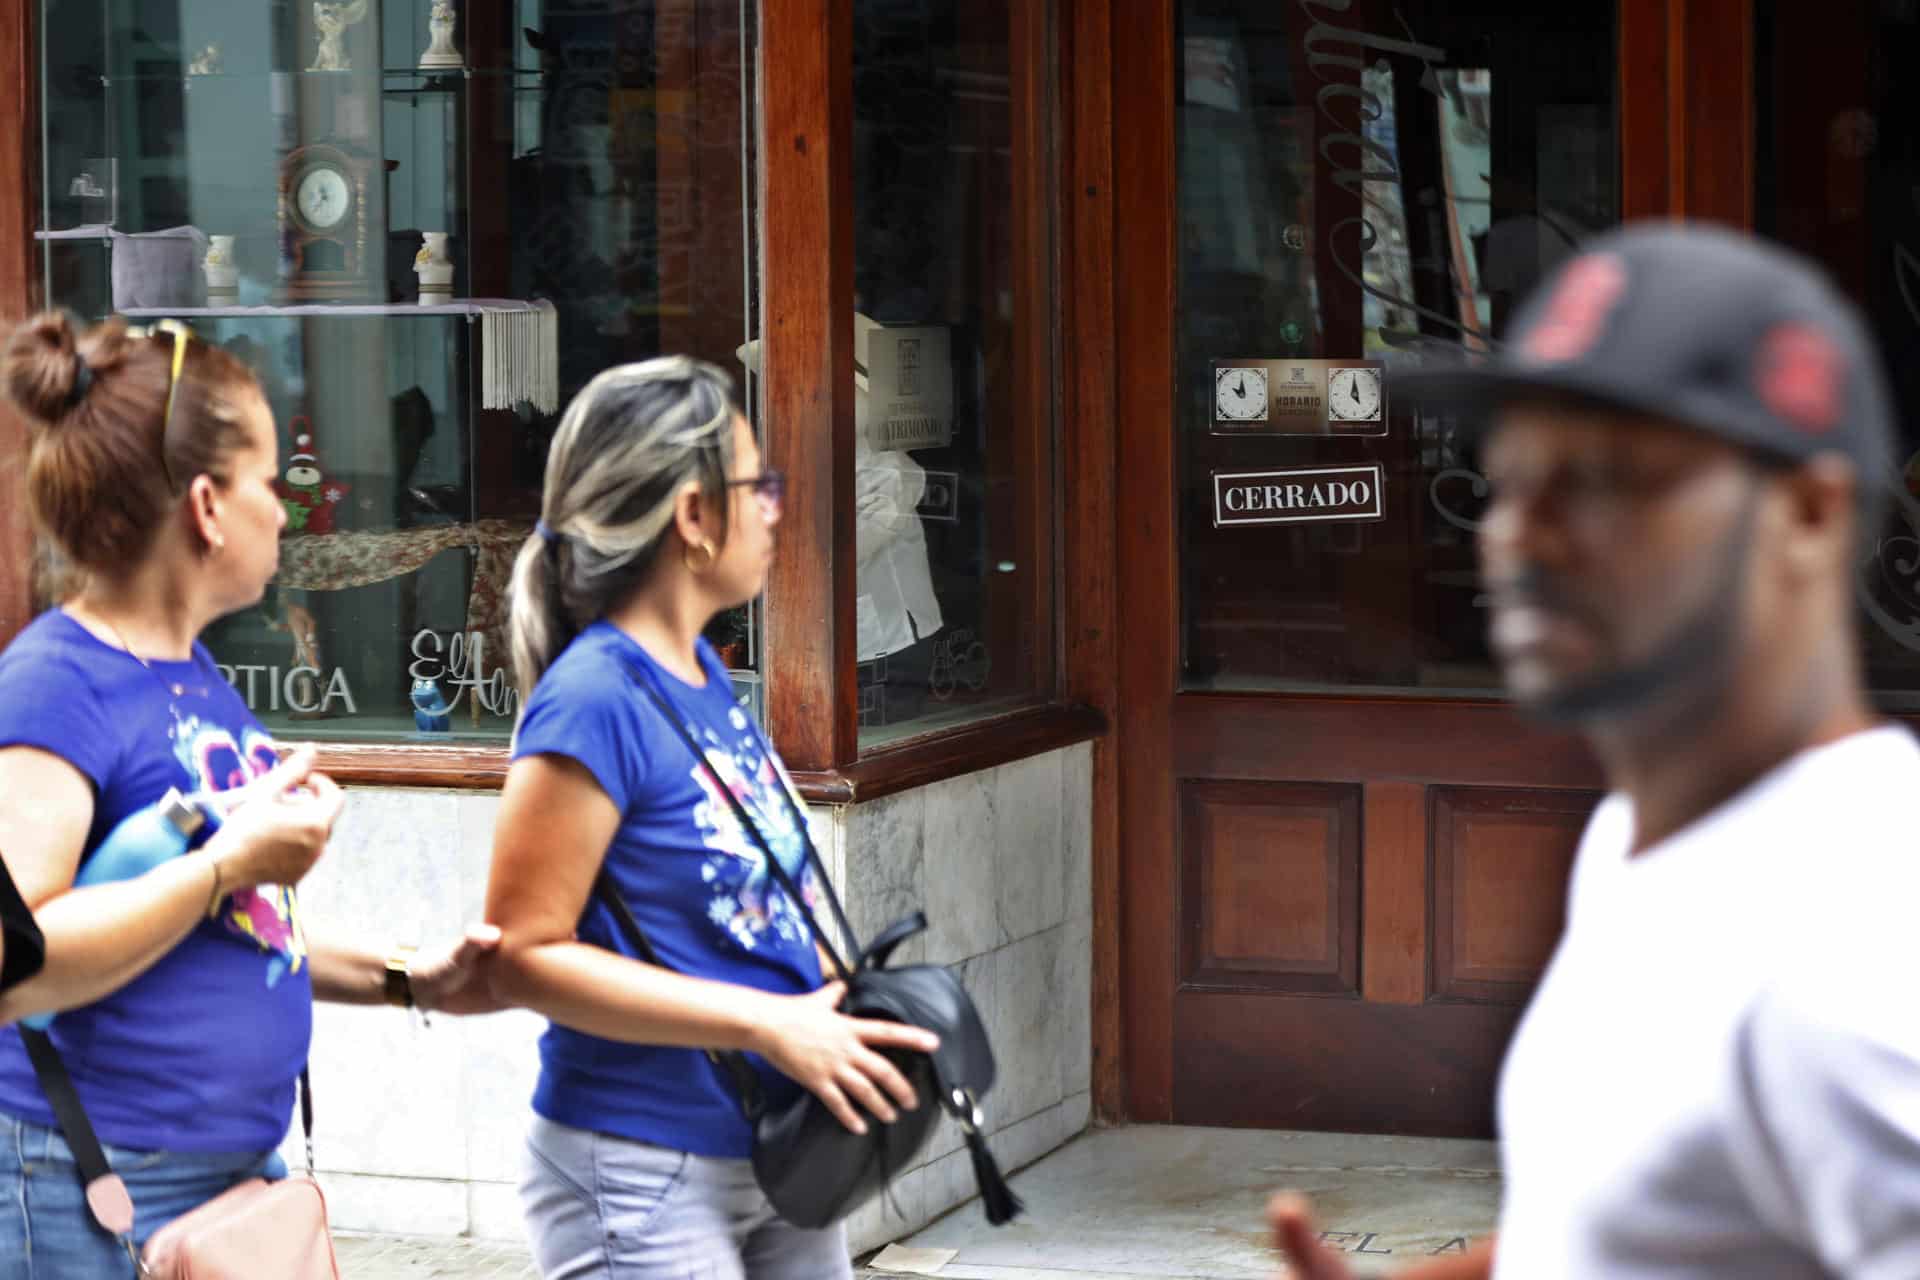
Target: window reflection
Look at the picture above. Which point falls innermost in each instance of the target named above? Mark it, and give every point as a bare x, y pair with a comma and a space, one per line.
952, 466
1354, 196
571, 191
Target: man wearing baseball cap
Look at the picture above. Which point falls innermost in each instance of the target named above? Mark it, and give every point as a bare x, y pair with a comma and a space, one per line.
1686, 438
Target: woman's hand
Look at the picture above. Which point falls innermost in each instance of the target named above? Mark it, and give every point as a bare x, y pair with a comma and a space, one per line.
834, 1057
279, 829
448, 978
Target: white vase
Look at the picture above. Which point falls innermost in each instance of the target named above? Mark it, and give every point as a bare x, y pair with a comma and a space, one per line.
223, 278
441, 52
434, 267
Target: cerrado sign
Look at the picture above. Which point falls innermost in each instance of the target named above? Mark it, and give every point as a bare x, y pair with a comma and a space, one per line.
1297, 495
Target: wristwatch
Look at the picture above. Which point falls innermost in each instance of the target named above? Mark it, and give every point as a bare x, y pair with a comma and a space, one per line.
399, 984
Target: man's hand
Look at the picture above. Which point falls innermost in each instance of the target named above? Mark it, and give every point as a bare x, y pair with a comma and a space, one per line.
1296, 1240
446, 979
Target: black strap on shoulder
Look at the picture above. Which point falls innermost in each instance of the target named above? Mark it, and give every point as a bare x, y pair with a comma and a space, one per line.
746, 1081
752, 828
26, 950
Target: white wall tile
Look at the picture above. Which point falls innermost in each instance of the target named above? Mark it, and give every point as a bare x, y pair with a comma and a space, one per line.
962, 833
500, 1065
1030, 881
396, 1206
1076, 828
885, 880
1073, 987
1030, 1027
386, 1097
830, 836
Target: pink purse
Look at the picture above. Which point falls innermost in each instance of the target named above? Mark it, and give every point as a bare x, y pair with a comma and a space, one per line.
259, 1228
256, 1229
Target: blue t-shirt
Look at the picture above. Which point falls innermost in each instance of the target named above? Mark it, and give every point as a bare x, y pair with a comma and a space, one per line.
693, 878
201, 1051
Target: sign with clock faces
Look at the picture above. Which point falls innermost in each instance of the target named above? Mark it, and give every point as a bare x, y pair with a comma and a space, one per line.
1292, 396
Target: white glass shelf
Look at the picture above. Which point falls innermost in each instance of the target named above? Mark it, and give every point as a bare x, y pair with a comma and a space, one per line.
454, 307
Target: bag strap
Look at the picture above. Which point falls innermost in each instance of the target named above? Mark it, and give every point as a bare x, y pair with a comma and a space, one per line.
107, 1196
746, 1081
752, 828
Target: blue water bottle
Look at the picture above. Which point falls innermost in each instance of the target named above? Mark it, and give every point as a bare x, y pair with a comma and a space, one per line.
142, 841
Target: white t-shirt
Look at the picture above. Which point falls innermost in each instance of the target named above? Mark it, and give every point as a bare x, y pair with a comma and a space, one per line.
1720, 1073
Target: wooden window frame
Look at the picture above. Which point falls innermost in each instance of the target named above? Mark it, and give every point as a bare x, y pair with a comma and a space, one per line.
809, 656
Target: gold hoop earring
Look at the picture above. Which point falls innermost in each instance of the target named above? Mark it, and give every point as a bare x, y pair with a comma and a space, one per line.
687, 560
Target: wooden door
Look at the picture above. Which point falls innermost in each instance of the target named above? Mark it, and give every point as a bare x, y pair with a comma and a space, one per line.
1344, 860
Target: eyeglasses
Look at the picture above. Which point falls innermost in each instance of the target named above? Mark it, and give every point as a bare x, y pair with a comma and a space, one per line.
181, 337
769, 486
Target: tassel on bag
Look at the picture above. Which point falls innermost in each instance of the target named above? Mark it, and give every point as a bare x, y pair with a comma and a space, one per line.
996, 1196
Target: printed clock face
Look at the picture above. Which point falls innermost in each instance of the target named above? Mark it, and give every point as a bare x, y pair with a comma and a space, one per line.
322, 197
1240, 395
1353, 395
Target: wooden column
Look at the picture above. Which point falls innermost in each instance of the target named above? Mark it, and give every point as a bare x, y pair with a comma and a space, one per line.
19, 288
806, 198
1090, 570
1144, 271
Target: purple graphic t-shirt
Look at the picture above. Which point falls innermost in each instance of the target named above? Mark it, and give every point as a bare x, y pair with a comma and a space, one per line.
694, 878
200, 1052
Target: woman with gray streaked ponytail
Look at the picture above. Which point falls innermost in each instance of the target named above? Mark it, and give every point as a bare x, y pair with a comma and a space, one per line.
628, 441
656, 517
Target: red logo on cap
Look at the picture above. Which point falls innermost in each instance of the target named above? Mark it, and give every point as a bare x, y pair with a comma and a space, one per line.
1799, 374
1578, 310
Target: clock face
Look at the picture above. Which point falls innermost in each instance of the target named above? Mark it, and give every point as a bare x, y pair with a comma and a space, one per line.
322, 198
1353, 395
1240, 395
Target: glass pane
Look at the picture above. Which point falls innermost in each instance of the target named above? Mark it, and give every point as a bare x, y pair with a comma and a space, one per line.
1351, 198
545, 190
954, 444
1839, 179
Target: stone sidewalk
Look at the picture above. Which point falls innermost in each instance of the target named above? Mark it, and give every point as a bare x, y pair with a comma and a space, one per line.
1130, 1204
420, 1257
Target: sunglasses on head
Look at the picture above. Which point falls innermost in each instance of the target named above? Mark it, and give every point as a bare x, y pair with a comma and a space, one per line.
181, 337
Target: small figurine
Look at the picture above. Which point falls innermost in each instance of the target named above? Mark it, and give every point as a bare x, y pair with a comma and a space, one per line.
434, 266
430, 709
205, 63
223, 278
441, 53
306, 492
332, 21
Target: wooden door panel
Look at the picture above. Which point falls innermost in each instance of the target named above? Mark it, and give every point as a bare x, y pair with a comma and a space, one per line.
1351, 1066
1499, 870
1270, 886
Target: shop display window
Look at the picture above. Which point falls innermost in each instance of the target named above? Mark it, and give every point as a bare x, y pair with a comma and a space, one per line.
425, 226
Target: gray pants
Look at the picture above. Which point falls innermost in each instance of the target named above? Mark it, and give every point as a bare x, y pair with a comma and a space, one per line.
606, 1208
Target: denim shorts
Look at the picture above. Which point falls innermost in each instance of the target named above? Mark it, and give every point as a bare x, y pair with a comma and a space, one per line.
606, 1208
46, 1232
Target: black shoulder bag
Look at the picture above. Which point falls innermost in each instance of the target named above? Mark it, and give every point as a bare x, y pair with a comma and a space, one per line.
813, 1169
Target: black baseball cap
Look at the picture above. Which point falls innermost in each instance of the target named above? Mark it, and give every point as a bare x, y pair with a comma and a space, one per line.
1699, 326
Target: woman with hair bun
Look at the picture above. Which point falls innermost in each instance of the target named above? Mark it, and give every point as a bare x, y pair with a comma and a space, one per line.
657, 515
188, 989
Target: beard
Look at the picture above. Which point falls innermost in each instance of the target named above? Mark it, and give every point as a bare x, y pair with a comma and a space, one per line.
1689, 667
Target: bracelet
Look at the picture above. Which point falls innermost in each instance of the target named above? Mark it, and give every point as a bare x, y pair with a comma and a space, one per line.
213, 898
399, 983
